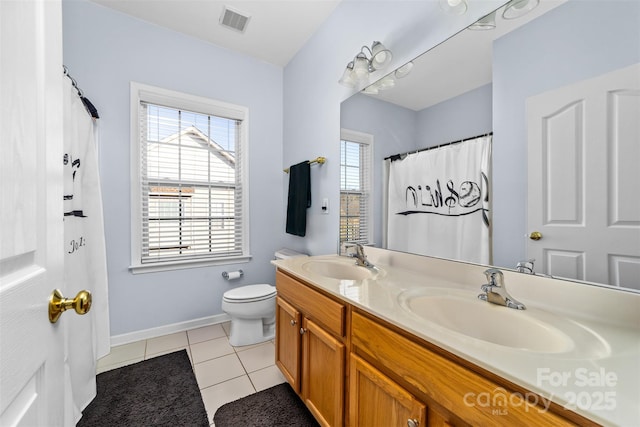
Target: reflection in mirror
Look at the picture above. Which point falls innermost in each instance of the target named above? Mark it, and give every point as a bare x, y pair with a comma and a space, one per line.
529, 81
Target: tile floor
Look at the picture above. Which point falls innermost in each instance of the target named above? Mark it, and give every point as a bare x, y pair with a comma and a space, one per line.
224, 373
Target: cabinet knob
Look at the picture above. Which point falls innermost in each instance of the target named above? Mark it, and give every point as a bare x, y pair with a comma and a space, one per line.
293, 322
412, 423
302, 331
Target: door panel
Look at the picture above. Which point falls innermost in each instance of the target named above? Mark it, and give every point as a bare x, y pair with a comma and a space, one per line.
323, 374
31, 235
583, 156
288, 342
377, 401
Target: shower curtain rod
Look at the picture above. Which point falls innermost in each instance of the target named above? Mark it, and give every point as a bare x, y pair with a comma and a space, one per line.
402, 155
93, 112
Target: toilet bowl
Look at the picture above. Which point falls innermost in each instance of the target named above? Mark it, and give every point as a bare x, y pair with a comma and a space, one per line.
252, 309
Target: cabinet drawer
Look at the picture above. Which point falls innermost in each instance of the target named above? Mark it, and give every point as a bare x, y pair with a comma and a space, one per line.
473, 398
313, 304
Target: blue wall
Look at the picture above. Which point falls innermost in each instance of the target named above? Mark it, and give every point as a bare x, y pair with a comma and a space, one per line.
464, 116
394, 131
566, 45
105, 50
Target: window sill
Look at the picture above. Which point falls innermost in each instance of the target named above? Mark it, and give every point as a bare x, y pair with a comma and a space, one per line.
180, 265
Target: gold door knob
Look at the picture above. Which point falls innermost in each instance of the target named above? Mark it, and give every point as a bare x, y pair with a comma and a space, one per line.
536, 235
58, 304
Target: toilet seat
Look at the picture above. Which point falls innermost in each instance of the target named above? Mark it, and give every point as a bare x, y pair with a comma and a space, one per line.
250, 293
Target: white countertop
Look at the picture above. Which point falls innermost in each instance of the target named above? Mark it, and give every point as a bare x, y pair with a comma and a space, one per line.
597, 377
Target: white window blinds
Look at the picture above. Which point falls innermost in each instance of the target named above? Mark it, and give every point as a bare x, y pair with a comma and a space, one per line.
191, 184
355, 188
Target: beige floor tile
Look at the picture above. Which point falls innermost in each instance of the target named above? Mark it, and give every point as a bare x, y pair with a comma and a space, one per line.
216, 396
104, 368
267, 377
205, 334
226, 326
258, 357
151, 356
248, 347
123, 353
167, 342
218, 370
211, 349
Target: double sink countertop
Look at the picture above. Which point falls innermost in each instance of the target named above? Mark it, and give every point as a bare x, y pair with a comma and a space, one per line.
577, 345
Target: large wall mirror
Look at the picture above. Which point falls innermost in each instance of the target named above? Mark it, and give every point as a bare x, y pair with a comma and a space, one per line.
524, 80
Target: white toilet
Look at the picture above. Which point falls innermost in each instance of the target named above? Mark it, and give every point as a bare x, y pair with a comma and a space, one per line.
252, 309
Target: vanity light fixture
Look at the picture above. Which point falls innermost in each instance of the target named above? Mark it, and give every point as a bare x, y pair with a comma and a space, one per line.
386, 82
517, 8
486, 23
453, 7
404, 70
358, 70
389, 81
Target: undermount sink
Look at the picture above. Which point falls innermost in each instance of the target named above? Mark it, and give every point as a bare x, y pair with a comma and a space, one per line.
529, 330
338, 269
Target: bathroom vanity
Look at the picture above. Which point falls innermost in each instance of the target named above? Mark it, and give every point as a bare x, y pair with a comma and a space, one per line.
409, 343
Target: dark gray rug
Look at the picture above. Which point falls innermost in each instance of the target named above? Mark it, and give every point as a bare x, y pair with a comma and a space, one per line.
161, 391
277, 406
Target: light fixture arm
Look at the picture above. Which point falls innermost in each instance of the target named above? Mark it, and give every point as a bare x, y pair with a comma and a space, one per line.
367, 48
362, 65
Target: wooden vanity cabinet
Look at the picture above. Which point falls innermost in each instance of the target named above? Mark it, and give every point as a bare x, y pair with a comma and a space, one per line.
288, 340
338, 357
455, 394
377, 401
323, 361
310, 349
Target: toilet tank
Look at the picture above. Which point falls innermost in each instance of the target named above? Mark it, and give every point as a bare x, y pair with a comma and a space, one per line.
285, 253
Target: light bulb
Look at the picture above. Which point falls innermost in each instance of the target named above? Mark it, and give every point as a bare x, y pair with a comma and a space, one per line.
454, 7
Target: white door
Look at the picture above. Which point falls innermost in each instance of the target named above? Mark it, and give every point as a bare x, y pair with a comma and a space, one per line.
584, 170
31, 228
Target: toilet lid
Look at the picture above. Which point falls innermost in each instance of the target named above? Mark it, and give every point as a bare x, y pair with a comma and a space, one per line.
250, 292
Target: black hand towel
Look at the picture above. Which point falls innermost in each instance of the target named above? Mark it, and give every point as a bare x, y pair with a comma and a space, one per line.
299, 198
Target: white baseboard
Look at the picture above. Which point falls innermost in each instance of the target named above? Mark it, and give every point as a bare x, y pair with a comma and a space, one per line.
168, 329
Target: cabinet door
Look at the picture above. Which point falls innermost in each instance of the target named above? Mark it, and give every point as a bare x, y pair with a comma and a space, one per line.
323, 374
288, 342
375, 400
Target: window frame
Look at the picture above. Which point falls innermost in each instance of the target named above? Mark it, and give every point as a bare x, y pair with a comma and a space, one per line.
366, 139
140, 92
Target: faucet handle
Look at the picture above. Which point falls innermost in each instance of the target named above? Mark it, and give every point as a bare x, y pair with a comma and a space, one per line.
348, 248
494, 277
526, 266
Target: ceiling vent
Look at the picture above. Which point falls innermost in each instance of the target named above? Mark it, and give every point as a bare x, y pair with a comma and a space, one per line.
233, 19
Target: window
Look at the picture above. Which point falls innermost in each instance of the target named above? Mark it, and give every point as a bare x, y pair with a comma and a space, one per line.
189, 189
355, 187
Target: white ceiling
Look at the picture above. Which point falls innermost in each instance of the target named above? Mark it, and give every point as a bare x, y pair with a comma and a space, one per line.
277, 29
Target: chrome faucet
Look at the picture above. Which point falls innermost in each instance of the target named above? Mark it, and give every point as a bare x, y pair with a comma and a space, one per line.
495, 291
525, 266
361, 258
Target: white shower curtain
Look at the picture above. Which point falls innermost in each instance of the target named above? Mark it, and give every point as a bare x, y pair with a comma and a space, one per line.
438, 202
87, 336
